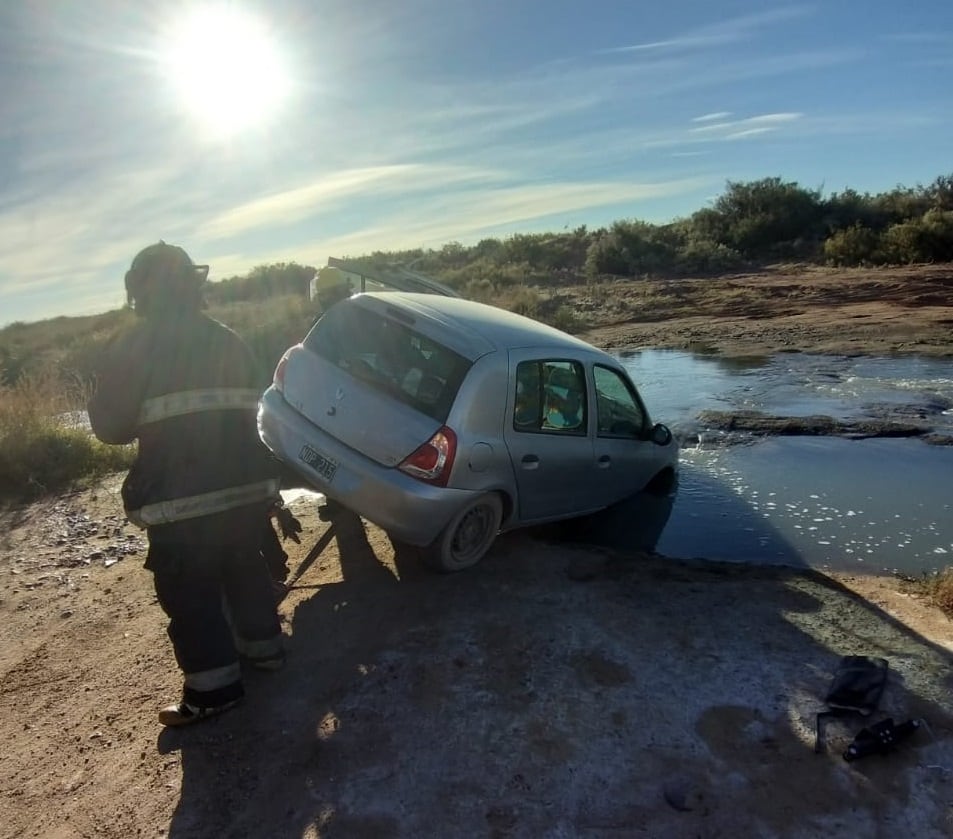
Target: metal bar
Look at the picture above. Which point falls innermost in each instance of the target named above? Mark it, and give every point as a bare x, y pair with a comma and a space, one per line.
313, 554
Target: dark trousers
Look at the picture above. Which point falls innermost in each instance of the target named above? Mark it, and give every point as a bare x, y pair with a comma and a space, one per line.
220, 604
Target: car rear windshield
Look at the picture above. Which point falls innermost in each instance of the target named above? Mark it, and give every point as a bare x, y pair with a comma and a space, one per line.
389, 355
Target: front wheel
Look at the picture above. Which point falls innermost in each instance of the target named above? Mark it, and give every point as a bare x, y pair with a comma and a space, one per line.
468, 535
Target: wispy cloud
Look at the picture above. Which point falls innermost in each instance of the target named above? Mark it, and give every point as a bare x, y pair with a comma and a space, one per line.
78, 242
297, 204
467, 216
749, 127
749, 132
717, 115
727, 32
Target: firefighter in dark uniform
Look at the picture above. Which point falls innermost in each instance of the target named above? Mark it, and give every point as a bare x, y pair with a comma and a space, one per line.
186, 388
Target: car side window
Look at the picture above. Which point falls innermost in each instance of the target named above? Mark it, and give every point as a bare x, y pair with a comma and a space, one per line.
619, 412
550, 397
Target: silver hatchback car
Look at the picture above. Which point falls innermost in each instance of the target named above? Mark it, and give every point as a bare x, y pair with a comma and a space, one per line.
445, 421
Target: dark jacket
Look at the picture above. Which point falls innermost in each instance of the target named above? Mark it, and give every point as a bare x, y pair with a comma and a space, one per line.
187, 389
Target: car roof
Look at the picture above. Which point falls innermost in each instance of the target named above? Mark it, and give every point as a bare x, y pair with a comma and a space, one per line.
473, 328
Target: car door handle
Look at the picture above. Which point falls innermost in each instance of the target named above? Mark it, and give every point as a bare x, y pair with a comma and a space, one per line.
530, 461
604, 462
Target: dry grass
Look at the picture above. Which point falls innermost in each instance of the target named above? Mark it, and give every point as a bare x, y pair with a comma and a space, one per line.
939, 587
43, 449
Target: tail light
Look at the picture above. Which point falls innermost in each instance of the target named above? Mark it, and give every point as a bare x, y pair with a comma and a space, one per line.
433, 461
279, 377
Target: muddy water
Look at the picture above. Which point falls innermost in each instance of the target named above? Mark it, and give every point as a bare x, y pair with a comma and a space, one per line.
860, 505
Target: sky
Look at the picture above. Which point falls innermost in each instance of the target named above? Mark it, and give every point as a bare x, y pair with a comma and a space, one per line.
295, 130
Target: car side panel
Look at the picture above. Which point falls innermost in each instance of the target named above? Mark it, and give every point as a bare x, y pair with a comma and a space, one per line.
483, 461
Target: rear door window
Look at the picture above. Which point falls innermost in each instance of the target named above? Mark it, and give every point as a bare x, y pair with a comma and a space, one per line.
550, 397
391, 357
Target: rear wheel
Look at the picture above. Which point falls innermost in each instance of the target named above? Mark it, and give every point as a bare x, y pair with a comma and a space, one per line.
468, 535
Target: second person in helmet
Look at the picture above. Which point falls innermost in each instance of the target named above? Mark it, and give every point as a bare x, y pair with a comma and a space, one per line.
329, 286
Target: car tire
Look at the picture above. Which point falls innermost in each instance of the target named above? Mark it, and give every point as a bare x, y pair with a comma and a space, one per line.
467, 537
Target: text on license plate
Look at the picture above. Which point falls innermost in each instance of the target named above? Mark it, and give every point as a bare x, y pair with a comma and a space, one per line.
324, 466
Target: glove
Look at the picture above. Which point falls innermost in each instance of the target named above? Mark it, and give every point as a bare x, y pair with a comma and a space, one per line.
290, 527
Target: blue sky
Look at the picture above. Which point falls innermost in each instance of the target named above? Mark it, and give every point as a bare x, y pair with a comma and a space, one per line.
347, 126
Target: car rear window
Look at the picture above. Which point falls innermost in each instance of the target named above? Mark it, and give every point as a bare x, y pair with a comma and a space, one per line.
389, 355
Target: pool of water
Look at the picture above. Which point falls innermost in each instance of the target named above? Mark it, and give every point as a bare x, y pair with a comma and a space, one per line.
852, 505
678, 385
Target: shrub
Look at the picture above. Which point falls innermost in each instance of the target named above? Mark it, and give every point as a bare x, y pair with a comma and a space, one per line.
606, 256
522, 300
939, 588
43, 449
269, 327
768, 218
854, 245
566, 319
705, 256
483, 291
925, 239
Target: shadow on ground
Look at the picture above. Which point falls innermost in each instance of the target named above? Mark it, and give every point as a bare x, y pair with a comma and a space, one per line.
645, 696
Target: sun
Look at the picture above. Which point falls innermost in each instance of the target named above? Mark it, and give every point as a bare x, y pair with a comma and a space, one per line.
225, 68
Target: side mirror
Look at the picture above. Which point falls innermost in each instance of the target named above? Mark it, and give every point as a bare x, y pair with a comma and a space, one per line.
661, 435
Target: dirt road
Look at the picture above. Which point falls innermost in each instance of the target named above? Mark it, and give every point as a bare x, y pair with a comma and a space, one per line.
553, 691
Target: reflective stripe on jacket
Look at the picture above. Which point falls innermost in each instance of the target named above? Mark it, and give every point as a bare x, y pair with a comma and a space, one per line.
187, 390
206, 504
193, 401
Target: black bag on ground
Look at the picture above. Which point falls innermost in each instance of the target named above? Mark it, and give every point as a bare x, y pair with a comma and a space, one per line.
857, 686
880, 738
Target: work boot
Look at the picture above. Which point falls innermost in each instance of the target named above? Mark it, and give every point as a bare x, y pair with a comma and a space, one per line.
184, 713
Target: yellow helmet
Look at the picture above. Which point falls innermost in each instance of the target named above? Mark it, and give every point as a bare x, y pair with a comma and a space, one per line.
328, 278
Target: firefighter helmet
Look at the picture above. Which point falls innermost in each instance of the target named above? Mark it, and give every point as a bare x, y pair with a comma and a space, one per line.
163, 277
329, 286
329, 278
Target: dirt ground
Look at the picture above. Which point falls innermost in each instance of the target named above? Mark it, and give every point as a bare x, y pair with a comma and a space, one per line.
781, 309
555, 690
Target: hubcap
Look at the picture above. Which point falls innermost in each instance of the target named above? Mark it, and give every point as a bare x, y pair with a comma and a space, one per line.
471, 533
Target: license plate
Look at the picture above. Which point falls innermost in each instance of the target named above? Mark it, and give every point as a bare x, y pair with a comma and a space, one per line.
324, 466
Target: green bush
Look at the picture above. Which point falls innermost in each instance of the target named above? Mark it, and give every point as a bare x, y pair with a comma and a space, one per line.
564, 318
631, 248
522, 300
705, 256
42, 447
769, 218
925, 239
854, 245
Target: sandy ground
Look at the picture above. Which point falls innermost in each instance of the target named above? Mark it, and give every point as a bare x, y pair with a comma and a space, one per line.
554, 690
784, 309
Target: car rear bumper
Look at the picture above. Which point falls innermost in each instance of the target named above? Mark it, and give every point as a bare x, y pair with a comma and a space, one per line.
407, 509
